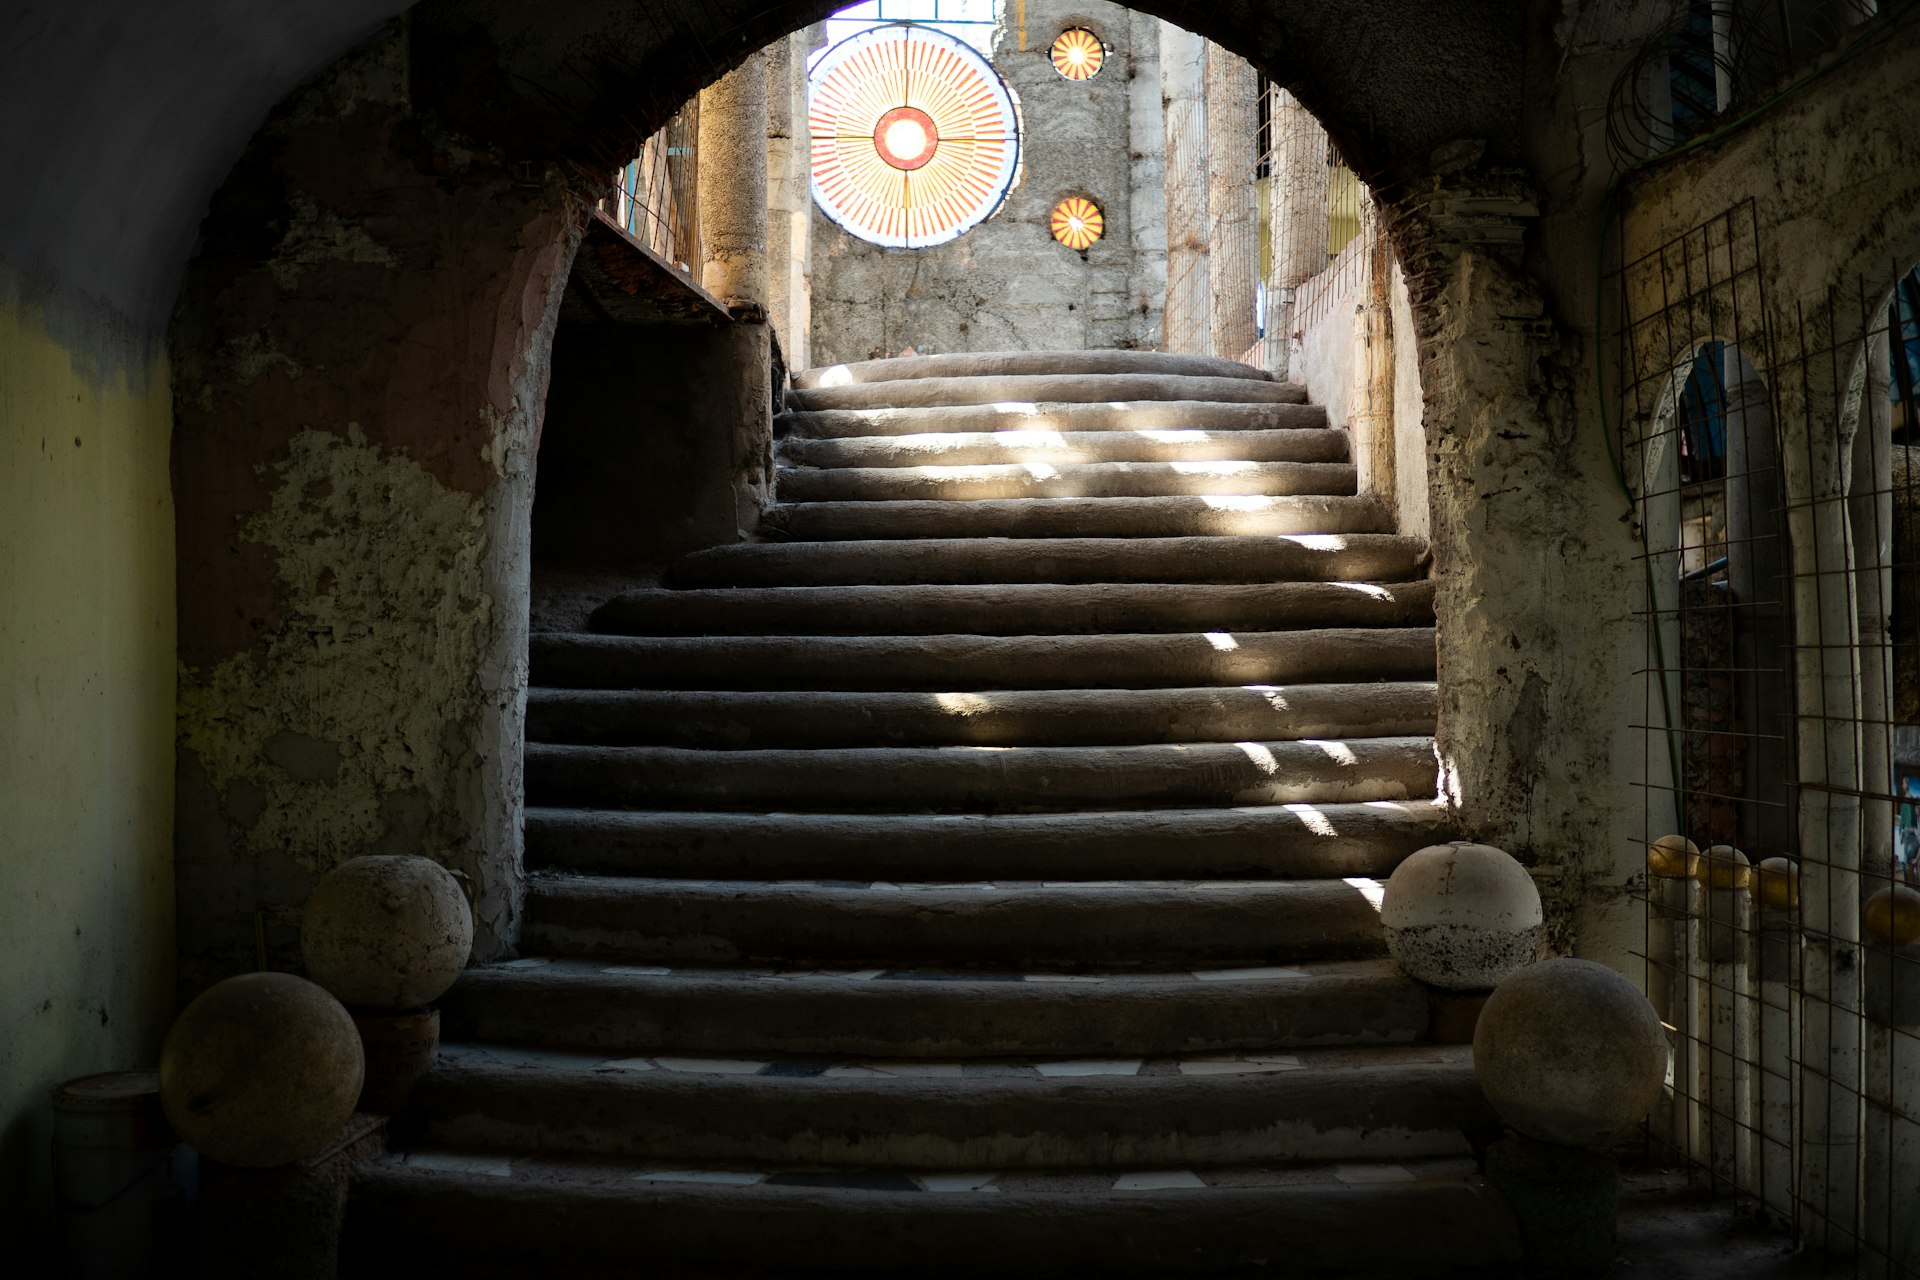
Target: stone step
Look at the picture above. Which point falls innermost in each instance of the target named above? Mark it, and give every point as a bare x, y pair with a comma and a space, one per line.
948, 663
1401, 1103
1045, 388
1126, 417
1016, 609
998, 364
1054, 448
497, 1218
982, 779
934, 1014
1357, 557
1067, 480
1038, 717
1301, 841
1068, 925
1175, 517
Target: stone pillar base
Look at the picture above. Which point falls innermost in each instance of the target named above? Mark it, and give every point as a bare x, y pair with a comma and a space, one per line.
282, 1224
1566, 1200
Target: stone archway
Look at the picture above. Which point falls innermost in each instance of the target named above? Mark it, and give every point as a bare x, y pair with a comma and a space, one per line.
361, 355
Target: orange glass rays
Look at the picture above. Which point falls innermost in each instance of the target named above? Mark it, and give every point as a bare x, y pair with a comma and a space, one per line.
1078, 222
1078, 54
915, 137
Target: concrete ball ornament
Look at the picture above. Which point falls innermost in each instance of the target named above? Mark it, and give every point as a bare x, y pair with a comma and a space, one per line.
1672, 858
261, 1070
1461, 916
1569, 1051
1776, 884
1892, 916
387, 932
1723, 867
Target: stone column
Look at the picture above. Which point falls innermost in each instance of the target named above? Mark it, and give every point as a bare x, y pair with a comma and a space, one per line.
1146, 181
778, 58
1298, 215
789, 196
1233, 241
799, 262
1188, 325
732, 160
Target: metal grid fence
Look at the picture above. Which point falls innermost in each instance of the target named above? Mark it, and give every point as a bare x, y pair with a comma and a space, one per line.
1781, 599
656, 194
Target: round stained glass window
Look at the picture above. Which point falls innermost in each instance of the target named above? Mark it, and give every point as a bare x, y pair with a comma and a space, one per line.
1078, 223
1078, 54
915, 137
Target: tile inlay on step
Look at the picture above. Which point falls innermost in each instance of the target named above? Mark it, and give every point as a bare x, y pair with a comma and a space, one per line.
1180, 1180
719, 1178
1118, 1067
447, 1162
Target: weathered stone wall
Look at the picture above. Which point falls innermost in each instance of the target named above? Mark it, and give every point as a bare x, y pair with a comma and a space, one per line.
361, 362
350, 648
1006, 285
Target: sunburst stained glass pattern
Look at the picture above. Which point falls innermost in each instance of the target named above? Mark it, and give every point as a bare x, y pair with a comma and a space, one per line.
1078, 54
915, 137
1078, 223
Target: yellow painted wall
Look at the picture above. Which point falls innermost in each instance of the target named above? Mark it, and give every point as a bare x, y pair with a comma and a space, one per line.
86, 740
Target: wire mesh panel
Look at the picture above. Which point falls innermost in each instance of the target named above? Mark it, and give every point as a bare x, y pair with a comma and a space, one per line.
654, 197
1779, 575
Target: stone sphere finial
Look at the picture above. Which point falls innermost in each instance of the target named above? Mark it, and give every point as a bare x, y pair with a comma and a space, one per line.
1461, 916
1723, 867
261, 1070
1569, 1051
1892, 916
1672, 858
387, 932
1776, 884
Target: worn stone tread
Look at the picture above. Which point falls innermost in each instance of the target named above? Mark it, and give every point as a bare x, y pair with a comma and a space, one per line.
1246, 842
1225, 478
1115, 416
1181, 516
729, 719
983, 779
1071, 925
1045, 388
965, 1013
403, 1221
963, 448
1359, 557
1373, 1104
1016, 609
973, 364
958, 663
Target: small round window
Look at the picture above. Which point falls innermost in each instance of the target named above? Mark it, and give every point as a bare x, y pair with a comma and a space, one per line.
1078, 54
916, 139
1078, 223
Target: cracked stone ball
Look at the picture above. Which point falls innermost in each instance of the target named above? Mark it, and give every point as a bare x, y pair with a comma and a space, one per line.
1569, 1051
261, 1070
387, 932
1461, 916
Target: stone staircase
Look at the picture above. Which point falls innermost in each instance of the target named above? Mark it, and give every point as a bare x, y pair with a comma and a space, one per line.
979, 875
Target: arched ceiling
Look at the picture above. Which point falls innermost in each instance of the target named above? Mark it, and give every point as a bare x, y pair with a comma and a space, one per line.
123, 115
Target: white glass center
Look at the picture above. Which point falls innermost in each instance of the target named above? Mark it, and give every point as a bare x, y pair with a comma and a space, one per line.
906, 138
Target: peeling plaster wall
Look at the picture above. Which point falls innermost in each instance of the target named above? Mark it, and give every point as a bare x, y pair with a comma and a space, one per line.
361, 369
1005, 285
86, 753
